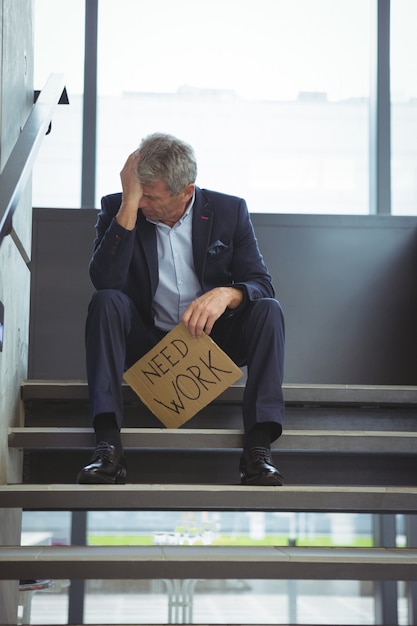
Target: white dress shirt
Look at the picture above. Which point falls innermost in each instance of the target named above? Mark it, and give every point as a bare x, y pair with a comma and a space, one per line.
178, 283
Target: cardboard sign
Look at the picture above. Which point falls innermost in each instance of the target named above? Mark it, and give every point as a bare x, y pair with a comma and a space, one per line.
181, 375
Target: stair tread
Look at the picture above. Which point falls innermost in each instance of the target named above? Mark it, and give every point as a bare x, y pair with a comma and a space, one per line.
201, 438
210, 497
304, 393
208, 562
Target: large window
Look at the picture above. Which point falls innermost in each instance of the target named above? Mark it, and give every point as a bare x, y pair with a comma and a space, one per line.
404, 107
59, 48
236, 601
272, 94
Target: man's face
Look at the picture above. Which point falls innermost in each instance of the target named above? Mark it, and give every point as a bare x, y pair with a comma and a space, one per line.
159, 204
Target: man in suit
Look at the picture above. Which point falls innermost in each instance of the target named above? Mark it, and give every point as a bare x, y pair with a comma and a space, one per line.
166, 252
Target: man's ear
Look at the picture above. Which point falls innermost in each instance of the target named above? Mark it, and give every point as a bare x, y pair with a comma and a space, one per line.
189, 191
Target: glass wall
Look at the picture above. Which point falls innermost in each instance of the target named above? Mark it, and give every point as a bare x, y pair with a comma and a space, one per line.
231, 601
273, 96
59, 48
211, 601
404, 107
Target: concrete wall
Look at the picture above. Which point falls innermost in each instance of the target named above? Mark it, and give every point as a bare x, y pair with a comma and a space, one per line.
347, 285
16, 80
348, 288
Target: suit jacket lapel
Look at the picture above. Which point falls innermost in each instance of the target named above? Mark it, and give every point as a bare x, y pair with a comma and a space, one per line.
146, 234
202, 222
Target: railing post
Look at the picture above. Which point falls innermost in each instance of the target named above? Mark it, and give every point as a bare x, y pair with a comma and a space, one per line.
88, 176
77, 588
380, 115
411, 587
386, 593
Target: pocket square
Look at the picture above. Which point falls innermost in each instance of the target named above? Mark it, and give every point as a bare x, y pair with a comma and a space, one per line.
216, 247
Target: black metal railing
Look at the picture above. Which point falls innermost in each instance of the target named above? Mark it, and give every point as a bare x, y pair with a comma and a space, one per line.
17, 170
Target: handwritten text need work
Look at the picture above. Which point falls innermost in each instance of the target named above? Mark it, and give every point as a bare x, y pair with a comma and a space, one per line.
191, 381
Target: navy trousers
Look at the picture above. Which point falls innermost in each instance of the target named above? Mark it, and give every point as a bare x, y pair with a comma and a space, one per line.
116, 337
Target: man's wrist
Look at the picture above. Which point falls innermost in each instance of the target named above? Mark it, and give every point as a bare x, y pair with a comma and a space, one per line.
127, 215
236, 297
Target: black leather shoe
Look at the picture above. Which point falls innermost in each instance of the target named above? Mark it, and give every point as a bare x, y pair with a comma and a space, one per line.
256, 468
107, 466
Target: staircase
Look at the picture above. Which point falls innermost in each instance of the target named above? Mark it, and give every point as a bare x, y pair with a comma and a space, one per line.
344, 449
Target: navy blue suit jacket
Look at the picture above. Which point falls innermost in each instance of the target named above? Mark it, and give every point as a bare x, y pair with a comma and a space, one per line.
225, 251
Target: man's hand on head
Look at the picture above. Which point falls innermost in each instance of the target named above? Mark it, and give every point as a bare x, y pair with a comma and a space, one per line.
131, 192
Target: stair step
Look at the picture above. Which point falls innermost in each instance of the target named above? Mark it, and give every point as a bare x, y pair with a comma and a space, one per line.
210, 497
206, 562
78, 390
392, 442
293, 393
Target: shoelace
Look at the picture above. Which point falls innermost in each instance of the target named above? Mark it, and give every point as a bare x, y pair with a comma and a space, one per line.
259, 454
103, 451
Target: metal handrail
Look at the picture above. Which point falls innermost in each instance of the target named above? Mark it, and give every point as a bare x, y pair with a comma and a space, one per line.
17, 170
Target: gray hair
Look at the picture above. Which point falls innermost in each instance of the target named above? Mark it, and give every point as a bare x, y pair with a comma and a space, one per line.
166, 158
